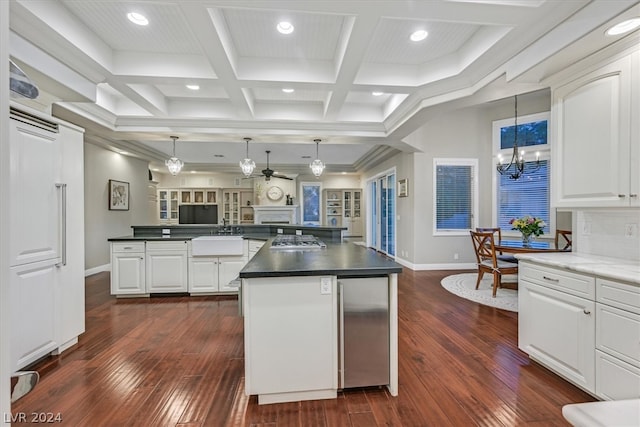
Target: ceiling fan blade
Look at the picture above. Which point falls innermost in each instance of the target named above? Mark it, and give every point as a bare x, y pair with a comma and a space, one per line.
282, 177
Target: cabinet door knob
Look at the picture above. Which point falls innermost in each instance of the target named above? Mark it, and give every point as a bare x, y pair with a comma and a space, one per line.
633, 195
585, 311
622, 196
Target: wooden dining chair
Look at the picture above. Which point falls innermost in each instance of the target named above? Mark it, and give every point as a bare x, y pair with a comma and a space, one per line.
497, 231
563, 239
487, 260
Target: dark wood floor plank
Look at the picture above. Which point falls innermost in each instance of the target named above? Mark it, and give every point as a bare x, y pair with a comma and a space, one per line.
179, 361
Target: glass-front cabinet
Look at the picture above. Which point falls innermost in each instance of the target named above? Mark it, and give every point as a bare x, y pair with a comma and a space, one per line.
352, 212
168, 206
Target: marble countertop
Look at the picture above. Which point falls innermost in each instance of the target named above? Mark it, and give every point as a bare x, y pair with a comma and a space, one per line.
613, 268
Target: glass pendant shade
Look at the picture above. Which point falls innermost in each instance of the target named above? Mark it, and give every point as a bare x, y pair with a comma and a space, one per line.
247, 165
174, 164
317, 167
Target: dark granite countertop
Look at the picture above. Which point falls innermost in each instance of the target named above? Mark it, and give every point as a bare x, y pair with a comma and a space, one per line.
337, 259
246, 236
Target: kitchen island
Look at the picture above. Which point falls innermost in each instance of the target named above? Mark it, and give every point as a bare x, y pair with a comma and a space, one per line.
302, 340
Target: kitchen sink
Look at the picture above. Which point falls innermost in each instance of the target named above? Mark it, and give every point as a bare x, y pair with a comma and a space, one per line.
217, 245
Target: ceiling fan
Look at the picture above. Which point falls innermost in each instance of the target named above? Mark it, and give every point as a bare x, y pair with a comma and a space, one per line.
268, 173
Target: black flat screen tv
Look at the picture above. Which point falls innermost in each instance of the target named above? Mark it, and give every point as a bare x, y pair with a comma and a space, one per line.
198, 214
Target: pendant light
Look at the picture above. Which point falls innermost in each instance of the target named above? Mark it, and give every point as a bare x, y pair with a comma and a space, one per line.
174, 164
317, 166
247, 165
516, 166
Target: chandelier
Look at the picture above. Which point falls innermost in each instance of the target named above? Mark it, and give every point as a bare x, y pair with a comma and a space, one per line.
516, 166
317, 166
247, 165
174, 164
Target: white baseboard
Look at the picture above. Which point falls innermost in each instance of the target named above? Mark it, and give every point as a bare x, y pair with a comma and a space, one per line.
447, 266
98, 269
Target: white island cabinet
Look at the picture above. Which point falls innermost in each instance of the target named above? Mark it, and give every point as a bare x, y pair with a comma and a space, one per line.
291, 342
216, 274
166, 266
128, 268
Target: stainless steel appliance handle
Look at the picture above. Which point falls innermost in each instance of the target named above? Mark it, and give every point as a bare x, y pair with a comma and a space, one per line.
63, 224
341, 335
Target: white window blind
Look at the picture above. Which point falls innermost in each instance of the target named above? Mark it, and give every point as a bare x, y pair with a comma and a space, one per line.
455, 195
528, 195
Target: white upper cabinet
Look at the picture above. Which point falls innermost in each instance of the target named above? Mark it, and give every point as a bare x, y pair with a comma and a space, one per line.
597, 138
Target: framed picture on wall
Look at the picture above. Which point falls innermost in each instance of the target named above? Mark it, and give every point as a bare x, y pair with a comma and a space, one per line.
118, 195
403, 188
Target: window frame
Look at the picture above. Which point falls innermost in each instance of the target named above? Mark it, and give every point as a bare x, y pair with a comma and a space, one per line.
545, 155
473, 163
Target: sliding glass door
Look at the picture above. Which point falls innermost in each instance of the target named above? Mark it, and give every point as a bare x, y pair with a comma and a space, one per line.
382, 207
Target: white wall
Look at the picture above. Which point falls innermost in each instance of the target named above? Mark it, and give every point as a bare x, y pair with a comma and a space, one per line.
100, 166
464, 133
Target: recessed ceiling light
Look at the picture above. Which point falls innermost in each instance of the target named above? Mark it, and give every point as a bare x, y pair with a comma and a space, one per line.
376, 93
419, 35
285, 27
218, 155
288, 90
137, 18
306, 157
193, 171
193, 87
624, 27
123, 152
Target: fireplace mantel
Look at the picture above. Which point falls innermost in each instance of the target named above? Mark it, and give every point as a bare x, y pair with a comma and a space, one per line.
274, 214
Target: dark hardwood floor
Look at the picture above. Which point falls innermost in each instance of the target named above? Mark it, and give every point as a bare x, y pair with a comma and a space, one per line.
178, 361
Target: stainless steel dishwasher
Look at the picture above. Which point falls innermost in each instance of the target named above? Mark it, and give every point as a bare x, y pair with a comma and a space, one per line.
363, 332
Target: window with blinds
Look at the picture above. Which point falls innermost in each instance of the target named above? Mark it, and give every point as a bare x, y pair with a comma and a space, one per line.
455, 193
528, 195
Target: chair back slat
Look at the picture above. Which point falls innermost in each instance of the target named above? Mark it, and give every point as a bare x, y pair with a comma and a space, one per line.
484, 246
563, 239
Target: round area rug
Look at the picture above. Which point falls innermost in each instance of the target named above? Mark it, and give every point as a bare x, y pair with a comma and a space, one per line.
464, 286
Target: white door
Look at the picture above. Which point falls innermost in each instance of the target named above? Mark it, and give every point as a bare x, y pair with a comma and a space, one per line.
569, 350
203, 274
127, 273
33, 312
228, 273
166, 271
34, 199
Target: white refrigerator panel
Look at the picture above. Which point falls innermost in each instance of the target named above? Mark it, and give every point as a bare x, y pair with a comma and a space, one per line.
33, 313
35, 201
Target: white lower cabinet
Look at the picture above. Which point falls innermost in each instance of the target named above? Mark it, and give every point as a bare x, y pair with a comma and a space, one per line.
617, 340
583, 327
166, 267
557, 329
214, 274
128, 268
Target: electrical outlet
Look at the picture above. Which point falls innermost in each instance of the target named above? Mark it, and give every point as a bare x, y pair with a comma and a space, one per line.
631, 230
280, 231
586, 228
325, 285
455, 256
166, 231
298, 232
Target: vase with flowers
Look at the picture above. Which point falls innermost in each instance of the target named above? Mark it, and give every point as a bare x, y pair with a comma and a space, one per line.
529, 227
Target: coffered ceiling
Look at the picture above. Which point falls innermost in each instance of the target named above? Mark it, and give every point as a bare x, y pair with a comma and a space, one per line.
127, 84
